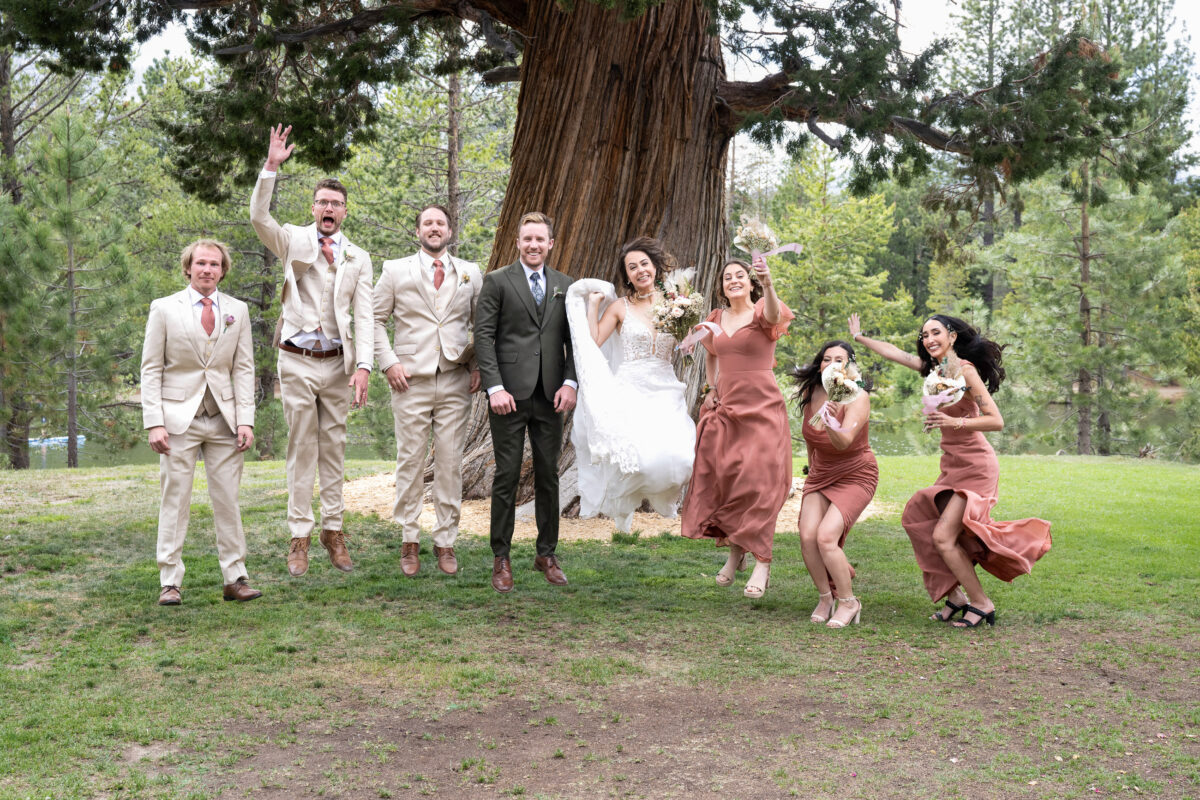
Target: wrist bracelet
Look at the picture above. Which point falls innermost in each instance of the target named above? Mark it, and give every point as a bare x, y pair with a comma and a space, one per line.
958, 426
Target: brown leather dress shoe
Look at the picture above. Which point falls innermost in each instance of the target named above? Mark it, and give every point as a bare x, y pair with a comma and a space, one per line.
447, 563
410, 558
298, 556
335, 543
549, 565
170, 596
240, 590
502, 575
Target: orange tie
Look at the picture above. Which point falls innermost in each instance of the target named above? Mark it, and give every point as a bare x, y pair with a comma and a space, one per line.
439, 274
326, 249
208, 320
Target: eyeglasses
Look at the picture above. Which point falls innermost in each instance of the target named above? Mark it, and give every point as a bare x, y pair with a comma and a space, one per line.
329, 204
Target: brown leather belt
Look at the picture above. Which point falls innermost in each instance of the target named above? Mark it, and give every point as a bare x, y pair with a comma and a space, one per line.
301, 351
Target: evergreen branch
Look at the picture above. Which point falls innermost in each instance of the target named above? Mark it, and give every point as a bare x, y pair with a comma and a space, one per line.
510, 13
507, 74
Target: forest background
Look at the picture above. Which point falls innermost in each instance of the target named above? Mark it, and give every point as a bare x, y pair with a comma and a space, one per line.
1093, 288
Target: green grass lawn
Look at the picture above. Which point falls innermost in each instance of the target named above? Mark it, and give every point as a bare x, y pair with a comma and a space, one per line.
642, 678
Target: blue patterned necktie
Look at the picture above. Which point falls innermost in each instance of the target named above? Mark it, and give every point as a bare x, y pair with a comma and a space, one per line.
536, 285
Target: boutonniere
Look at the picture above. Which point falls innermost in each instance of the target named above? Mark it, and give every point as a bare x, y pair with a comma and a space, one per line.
466, 278
557, 293
228, 320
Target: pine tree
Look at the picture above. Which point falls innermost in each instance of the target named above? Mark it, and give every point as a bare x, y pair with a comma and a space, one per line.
70, 209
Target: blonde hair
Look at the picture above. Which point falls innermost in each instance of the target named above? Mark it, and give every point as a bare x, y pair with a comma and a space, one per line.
535, 218
185, 258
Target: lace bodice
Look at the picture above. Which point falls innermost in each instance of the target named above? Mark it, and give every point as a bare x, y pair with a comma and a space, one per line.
639, 341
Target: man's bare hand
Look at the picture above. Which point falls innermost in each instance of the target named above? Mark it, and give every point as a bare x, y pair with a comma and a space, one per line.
502, 403
245, 438
160, 440
359, 381
564, 399
279, 149
397, 378
475, 381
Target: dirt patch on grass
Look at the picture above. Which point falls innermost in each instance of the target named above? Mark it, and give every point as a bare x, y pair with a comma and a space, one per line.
375, 494
1046, 713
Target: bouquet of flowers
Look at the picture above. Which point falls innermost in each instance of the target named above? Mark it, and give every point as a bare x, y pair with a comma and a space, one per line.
679, 309
754, 237
944, 385
843, 383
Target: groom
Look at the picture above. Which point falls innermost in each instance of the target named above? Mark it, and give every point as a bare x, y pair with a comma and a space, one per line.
523, 347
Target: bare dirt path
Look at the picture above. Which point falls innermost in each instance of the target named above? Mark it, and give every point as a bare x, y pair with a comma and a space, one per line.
375, 494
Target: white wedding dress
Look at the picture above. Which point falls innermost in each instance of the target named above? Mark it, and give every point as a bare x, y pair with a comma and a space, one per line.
633, 438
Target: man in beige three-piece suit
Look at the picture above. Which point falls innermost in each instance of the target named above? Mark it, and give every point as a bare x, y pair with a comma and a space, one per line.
431, 298
198, 400
326, 341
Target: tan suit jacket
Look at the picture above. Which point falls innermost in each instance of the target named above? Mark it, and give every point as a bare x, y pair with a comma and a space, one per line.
298, 249
425, 338
175, 374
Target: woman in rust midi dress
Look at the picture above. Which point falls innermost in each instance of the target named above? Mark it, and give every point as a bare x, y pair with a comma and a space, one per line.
949, 523
743, 468
841, 480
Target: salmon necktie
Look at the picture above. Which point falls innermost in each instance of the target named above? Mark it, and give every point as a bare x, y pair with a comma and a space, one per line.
439, 274
326, 249
208, 320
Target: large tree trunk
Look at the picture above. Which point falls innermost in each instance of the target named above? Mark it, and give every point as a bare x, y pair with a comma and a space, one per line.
606, 145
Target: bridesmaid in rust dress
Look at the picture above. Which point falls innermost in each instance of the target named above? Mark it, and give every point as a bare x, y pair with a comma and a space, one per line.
842, 477
743, 467
950, 523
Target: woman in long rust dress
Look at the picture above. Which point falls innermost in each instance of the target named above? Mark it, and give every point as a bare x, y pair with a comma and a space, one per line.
743, 467
842, 477
949, 523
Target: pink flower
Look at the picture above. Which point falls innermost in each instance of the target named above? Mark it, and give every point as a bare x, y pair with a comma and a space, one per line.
228, 320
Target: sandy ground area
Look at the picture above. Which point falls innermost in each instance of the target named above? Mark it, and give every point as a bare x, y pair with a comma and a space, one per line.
375, 494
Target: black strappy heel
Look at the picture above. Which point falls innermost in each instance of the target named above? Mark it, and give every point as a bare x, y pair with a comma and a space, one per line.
954, 609
989, 618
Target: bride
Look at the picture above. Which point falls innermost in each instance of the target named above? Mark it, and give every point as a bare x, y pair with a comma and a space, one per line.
633, 437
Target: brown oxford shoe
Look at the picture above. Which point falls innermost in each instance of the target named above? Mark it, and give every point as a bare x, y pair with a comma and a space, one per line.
240, 590
446, 561
170, 596
335, 543
502, 575
410, 558
298, 556
549, 566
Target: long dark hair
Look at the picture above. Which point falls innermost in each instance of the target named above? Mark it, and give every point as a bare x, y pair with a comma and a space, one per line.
653, 248
808, 376
756, 288
969, 345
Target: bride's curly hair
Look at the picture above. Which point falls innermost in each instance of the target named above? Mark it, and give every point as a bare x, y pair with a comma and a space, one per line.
662, 260
969, 345
808, 376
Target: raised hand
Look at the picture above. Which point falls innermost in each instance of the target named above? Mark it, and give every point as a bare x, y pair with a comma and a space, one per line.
759, 265
855, 326
279, 149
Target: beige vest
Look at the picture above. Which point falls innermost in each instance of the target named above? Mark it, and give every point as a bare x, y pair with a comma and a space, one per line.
316, 298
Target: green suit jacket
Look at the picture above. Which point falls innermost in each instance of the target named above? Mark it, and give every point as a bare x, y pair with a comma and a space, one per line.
515, 341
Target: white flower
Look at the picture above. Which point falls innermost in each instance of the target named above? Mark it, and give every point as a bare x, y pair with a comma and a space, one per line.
753, 236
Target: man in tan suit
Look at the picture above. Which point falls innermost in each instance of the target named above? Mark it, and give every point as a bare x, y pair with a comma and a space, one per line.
326, 340
431, 298
198, 400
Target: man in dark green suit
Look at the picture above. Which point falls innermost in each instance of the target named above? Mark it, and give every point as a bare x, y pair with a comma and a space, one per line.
523, 347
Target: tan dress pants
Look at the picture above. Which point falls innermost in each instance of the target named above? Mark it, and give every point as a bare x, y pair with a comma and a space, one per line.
440, 405
209, 438
316, 401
